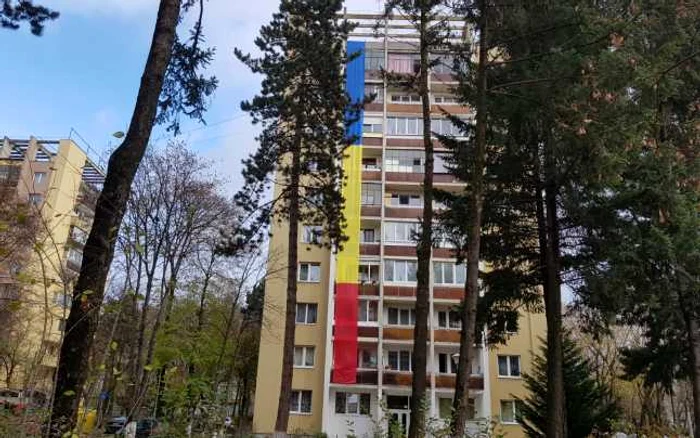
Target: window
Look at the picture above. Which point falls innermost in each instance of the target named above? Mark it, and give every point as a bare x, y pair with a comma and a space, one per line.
351, 403
312, 234
400, 360
439, 165
63, 300
61, 325
400, 270
404, 161
300, 402
401, 232
447, 363
310, 272
370, 163
447, 100
509, 411
445, 127
312, 166
304, 357
449, 273
39, 177
367, 358
376, 90
75, 256
369, 273
405, 98
509, 366
401, 316
371, 194
404, 200
79, 235
403, 63
306, 313
445, 408
367, 311
374, 59
36, 199
367, 235
372, 125
444, 64
449, 320
404, 126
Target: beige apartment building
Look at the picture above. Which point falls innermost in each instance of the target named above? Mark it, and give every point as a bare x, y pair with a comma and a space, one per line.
355, 317
59, 183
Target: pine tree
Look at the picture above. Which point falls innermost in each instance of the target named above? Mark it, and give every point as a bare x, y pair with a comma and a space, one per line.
429, 20
642, 233
13, 13
584, 396
302, 108
171, 84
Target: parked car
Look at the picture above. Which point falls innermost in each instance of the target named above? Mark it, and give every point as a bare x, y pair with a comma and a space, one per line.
115, 425
146, 428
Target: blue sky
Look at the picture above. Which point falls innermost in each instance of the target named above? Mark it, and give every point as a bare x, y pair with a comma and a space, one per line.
84, 72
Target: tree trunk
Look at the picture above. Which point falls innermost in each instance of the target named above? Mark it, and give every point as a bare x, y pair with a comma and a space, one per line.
291, 305
694, 341
466, 339
423, 251
548, 231
109, 212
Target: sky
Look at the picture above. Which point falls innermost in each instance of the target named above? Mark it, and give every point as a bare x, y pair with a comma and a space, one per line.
83, 74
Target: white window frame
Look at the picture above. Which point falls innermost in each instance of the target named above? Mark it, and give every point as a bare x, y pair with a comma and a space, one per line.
451, 364
39, 177
372, 125
305, 319
414, 201
75, 256
404, 161
400, 267
509, 366
513, 411
366, 305
373, 359
296, 404
405, 316
405, 99
36, 199
305, 352
400, 232
371, 191
312, 234
370, 268
400, 354
448, 314
453, 269
360, 397
311, 269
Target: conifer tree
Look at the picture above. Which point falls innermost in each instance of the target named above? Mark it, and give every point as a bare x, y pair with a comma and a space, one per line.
304, 110
641, 233
429, 20
584, 396
13, 13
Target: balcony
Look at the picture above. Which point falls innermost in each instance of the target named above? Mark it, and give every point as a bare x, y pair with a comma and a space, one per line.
369, 248
446, 336
372, 210
399, 291
404, 212
369, 289
449, 381
363, 377
398, 378
448, 293
398, 334
371, 175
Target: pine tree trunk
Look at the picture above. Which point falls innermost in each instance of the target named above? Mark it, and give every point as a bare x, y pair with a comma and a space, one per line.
548, 230
423, 252
109, 212
291, 305
467, 335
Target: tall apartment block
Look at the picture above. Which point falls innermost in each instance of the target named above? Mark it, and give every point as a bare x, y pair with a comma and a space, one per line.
59, 183
355, 311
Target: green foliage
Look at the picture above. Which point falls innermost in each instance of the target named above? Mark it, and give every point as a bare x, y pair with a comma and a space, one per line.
587, 402
14, 12
302, 107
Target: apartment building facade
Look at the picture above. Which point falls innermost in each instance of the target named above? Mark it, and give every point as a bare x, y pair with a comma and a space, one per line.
60, 183
355, 317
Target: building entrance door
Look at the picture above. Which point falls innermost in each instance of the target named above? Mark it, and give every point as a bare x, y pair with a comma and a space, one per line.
398, 423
